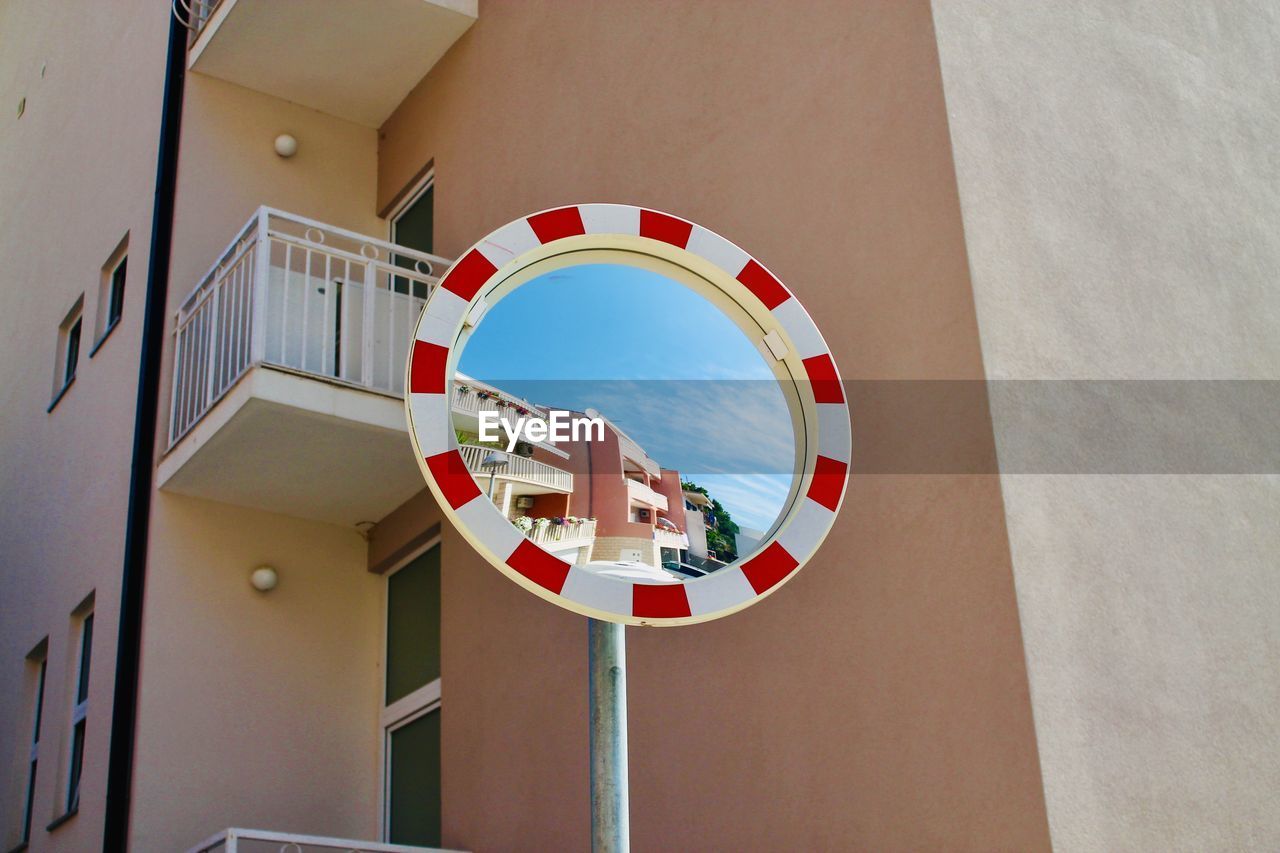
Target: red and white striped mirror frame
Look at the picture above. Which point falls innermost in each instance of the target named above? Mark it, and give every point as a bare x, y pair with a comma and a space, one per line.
823, 441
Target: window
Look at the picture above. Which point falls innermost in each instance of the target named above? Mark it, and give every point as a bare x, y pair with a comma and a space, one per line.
68, 351
80, 710
111, 293
413, 227
38, 666
73, 352
411, 702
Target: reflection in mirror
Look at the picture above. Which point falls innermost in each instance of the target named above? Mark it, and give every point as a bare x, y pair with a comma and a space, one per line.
624, 423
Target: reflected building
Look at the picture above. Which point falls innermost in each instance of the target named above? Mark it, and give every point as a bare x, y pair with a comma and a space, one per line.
697, 508
534, 486
585, 501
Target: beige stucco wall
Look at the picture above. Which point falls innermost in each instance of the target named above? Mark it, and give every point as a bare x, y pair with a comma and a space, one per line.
257, 709
228, 168
611, 548
880, 699
1118, 179
77, 175
270, 702
254, 709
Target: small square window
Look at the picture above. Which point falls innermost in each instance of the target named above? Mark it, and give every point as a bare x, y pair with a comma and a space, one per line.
68, 354
111, 293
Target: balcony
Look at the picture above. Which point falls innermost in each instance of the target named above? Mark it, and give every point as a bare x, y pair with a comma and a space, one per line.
528, 476
346, 58
634, 452
471, 397
640, 493
670, 538
262, 841
564, 538
288, 373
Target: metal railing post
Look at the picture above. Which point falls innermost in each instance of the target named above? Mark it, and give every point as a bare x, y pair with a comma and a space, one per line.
173, 380
212, 366
261, 271
366, 324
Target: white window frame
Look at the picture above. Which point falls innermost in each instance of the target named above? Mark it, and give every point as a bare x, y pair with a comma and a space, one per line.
103, 325
62, 356
79, 708
38, 658
406, 709
424, 183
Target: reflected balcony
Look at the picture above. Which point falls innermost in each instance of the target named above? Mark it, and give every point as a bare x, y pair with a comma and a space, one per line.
471, 398
288, 373
526, 476
641, 494
633, 452
564, 538
670, 539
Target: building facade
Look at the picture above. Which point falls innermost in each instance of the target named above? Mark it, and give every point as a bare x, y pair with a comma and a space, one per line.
592, 496
977, 658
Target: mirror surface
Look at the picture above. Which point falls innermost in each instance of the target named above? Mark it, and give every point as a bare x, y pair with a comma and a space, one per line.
624, 423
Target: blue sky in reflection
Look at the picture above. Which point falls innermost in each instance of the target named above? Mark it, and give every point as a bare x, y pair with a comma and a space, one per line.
659, 361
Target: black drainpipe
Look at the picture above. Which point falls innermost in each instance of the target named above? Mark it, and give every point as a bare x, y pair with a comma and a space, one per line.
124, 709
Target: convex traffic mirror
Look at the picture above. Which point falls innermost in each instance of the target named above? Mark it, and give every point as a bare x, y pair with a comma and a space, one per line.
628, 415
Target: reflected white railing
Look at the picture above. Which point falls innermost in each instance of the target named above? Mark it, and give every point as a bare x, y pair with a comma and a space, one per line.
670, 538
300, 294
237, 840
570, 531
638, 491
473, 397
518, 468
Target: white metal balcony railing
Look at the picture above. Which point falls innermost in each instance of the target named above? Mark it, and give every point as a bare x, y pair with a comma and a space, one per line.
670, 538
196, 13
641, 493
468, 400
563, 534
298, 294
519, 468
262, 841
471, 397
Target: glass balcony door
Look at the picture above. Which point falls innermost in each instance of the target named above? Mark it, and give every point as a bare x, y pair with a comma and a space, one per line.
411, 702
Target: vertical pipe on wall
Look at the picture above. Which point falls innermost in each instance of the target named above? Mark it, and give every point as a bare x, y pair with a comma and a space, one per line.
124, 709
607, 661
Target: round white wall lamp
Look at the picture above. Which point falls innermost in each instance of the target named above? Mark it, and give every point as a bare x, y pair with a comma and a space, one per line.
286, 145
264, 578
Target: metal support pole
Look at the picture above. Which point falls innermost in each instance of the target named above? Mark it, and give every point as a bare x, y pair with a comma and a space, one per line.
607, 660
